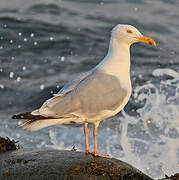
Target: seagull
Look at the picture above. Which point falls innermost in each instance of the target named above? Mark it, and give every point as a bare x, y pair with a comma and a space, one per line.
95, 95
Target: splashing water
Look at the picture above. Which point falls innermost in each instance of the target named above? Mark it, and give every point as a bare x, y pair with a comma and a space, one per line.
148, 141
153, 146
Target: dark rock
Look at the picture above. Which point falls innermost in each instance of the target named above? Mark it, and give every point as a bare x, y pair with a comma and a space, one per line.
7, 145
28, 164
174, 177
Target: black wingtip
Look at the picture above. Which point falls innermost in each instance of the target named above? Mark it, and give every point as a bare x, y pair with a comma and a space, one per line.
14, 116
21, 115
28, 115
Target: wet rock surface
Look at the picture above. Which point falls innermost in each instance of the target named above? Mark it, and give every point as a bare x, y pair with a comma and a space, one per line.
29, 164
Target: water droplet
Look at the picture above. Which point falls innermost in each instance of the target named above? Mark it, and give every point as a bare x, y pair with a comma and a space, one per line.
1, 86
136, 9
1, 47
19, 46
19, 122
62, 58
42, 86
51, 38
18, 79
24, 68
140, 76
19, 34
35, 43
11, 75
11, 41
32, 35
25, 39
1, 70
148, 121
12, 57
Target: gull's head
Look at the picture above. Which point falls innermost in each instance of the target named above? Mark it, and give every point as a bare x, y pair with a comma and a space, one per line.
129, 34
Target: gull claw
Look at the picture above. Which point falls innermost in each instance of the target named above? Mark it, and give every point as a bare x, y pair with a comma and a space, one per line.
96, 154
88, 152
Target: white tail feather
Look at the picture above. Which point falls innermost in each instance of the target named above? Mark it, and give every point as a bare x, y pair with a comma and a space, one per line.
39, 124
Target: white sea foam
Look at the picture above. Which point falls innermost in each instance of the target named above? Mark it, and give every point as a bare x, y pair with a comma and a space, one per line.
159, 121
165, 71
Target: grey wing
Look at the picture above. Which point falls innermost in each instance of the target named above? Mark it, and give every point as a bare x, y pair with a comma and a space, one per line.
98, 93
92, 95
70, 85
62, 101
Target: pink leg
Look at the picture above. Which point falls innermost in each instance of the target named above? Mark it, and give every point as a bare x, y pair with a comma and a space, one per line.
95, 133
86, 138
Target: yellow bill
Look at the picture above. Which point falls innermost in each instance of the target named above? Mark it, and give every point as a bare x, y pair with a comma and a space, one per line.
147, 40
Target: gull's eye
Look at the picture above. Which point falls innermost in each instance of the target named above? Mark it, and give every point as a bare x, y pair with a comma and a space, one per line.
129, 31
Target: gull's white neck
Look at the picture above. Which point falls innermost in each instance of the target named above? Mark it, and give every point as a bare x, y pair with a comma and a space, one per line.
117, 60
